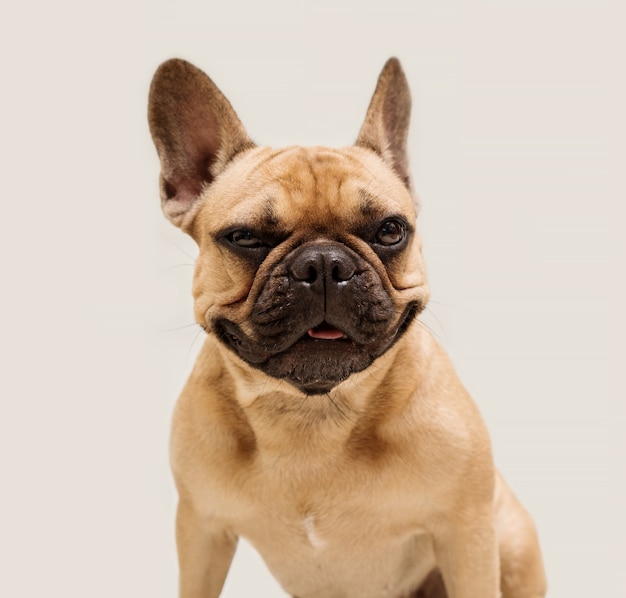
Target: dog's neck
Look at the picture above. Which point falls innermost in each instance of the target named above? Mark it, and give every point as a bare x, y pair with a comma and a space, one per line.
275, 411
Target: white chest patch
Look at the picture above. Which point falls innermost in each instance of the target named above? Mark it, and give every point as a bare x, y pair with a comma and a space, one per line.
312, 535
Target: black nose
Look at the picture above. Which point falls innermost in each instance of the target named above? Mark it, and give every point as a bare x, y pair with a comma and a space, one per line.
320, 265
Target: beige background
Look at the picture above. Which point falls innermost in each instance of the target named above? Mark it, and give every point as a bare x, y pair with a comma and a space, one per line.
517, 147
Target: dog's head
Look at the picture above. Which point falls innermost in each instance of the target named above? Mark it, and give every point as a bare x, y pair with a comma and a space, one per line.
310, 267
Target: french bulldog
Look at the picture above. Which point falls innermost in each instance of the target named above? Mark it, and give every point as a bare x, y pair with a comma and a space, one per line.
322, 422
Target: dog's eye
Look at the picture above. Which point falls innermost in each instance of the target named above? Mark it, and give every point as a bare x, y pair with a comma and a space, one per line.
245, 239
391, 233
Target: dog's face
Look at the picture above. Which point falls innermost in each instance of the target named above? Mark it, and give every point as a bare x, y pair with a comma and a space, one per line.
310, 267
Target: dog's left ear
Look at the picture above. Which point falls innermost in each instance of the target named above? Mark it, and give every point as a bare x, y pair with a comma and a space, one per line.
196, 133
386, 126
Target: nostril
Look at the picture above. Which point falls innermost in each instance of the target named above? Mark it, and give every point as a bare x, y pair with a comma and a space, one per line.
342, 272
306, 271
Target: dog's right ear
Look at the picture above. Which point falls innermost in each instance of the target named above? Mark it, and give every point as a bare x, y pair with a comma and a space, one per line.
196, 133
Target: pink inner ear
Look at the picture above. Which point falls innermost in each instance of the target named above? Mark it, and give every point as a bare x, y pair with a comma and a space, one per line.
182, 190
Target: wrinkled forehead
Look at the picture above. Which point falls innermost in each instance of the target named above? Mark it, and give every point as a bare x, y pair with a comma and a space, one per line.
317, 186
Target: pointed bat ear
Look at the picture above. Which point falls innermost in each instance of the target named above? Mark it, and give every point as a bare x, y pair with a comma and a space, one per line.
196, 133
386, 126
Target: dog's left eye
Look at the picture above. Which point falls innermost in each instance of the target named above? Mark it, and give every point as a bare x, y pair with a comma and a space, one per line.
391, 233
245, 239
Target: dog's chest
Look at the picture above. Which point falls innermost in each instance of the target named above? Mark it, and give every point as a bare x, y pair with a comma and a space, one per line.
318, 538
311, 557
342, 554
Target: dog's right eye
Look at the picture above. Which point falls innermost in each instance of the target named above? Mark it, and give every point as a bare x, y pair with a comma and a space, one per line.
245, 239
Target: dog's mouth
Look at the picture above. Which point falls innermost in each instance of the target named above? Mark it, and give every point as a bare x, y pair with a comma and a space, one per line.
317, 358
257, 352
327, 332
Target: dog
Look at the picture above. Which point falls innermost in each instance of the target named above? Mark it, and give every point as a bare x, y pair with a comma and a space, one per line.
321, 421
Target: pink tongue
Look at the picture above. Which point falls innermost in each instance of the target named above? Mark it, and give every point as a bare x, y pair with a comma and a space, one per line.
326, 332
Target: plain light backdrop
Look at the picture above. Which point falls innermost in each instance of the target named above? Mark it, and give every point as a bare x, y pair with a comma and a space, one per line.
517, 146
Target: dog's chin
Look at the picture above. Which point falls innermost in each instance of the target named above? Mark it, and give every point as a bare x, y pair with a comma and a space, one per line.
316, 366
319, 358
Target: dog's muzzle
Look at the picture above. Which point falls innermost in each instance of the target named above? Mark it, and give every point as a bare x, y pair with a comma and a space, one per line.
322, 315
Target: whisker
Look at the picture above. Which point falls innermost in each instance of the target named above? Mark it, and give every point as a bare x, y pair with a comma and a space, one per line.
193, 342
177, 328
192, 258
176, 266
429, 329
337, 407
443, 304
434, 316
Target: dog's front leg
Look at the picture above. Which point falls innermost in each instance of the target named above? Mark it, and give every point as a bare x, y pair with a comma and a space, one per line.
467, 557
205, 552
